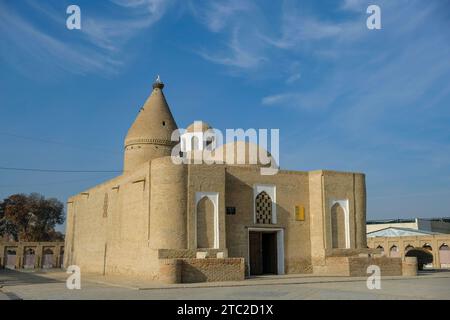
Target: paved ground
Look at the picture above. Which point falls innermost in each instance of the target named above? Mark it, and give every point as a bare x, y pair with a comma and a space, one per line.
51, 285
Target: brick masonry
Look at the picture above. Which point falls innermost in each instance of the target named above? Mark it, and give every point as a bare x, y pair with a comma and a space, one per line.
201, 270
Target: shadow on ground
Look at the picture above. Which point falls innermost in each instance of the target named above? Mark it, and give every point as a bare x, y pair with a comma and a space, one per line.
13, 278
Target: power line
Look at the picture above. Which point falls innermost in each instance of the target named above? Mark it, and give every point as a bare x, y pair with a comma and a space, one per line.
47, 184
59, 143
60, 171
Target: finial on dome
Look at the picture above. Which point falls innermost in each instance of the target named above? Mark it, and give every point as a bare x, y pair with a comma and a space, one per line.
158, 83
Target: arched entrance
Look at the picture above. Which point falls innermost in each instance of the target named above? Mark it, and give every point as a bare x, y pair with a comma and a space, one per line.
10, 261
424, 257
29, 258
444, 256
47, 259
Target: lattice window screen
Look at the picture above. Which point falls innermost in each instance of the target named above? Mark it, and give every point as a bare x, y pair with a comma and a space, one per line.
263, 205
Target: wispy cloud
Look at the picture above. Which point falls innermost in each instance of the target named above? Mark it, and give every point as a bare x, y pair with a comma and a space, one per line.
96, 48
238, 22
37, 47
237, 54
111, 33
217, 16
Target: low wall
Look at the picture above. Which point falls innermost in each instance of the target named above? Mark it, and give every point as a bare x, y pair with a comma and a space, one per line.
388, 266
356, 266
189, 253
201, 270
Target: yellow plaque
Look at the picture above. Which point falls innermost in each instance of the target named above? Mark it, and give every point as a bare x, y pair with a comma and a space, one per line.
300, 213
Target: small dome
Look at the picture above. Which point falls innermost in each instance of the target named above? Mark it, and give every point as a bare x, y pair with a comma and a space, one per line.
198, 126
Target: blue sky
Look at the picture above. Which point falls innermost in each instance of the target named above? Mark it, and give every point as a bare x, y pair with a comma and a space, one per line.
344, 97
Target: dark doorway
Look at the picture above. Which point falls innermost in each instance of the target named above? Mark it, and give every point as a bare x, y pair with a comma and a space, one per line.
263, 252
423, 256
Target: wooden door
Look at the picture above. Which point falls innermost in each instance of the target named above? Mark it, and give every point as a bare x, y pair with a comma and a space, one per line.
255, 243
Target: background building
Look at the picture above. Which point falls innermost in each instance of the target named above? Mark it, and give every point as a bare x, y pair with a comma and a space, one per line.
440, 225
427, 239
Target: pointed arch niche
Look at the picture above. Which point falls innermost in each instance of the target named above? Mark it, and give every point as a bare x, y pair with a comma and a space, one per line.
340, 224
207, 220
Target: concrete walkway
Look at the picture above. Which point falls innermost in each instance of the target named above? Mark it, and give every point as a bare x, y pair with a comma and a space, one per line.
51, 285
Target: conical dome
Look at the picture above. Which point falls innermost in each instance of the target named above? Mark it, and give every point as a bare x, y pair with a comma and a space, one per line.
149, 137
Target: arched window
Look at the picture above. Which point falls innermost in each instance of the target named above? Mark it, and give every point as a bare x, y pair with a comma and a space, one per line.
408, 247
427, 246
205, 223
394, 252
263, 208
380, 247
338, 226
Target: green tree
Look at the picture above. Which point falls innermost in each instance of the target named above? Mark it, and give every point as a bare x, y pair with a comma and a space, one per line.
30, 218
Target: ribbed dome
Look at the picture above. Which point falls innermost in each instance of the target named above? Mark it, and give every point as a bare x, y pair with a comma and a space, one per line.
154, 123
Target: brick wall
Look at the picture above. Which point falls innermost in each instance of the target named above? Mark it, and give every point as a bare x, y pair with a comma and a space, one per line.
388, 266
356, 266
207, 270
189, 253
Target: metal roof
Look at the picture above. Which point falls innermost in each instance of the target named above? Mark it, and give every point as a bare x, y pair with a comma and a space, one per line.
407, 220
399, 232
